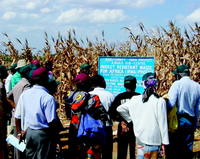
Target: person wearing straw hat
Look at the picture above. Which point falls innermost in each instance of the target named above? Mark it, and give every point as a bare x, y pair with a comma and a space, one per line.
17, 77
185, 94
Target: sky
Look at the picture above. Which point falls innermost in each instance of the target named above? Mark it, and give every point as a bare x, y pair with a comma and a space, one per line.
29, 19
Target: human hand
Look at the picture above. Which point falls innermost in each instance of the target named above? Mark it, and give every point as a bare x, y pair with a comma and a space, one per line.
124, 126
23, 134
58, 148
19, 137
162, 152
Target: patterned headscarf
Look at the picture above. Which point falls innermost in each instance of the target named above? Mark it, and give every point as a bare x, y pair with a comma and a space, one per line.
149, 83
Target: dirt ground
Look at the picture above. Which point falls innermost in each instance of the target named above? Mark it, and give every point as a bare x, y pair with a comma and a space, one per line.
115, 126
196, 147
64, 139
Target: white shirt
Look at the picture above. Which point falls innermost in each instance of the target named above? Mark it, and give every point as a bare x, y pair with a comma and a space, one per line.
105, 97
8, 85
185, 93
149, 119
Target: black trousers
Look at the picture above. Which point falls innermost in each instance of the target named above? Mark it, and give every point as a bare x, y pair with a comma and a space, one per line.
107, 148
125, 139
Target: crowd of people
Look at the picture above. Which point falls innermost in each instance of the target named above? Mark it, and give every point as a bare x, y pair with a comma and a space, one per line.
28, 111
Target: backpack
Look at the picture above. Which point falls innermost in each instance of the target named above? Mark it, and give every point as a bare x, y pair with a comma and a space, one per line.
91, 130
85, 116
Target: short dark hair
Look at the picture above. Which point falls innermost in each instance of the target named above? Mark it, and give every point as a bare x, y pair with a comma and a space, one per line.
99, 80
48, 63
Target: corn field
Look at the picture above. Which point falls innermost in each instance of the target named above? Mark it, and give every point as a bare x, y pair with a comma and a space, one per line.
170, 48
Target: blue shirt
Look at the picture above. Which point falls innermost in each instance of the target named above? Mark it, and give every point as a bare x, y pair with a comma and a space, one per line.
185, 93
40, 107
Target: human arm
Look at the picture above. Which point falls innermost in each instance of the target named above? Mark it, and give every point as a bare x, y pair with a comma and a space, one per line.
197, 112
123, 110
113, 108
19, 119
162, 120
10, 99
173, 94
11, 103
18, 127
21, 133
52, 119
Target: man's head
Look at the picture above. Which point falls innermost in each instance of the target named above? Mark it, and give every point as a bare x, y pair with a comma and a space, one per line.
85, 68
12, 68
3, 72
82, 82
52, 86
181, 71
40, 76
99, 81
36, 63
24, 71
130, 82
48, 65
30, 73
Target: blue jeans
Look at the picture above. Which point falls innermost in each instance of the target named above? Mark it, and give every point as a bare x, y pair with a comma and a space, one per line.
147, 151
185, 134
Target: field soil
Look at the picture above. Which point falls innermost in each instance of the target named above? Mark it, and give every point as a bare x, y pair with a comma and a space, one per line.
64, 143
196, 147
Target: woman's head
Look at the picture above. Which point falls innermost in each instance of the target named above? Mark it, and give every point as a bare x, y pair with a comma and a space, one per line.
149, 83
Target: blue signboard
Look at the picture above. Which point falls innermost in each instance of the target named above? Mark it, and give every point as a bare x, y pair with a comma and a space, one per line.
114, 69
